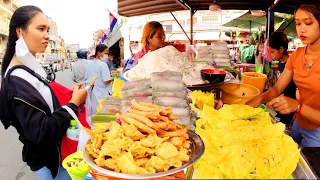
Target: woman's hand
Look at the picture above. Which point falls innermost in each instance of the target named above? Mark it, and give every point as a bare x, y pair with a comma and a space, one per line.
77, 85
79, 95
255, 102
284, 105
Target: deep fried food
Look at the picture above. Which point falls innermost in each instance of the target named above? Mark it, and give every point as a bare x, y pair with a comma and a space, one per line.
131, 131
147, 141
165, 126
163, 110
139, 151
140, 107
138, 124
140, 118
177, 141
172, 117
151, 115
112, 164
141, 162
157, 163
166, 151
152, 141
128, 166
173, 133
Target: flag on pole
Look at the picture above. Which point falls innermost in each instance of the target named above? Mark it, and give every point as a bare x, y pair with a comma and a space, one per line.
113, 21
103, 37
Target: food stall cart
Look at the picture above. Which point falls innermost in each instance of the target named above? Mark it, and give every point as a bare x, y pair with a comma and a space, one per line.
303, 170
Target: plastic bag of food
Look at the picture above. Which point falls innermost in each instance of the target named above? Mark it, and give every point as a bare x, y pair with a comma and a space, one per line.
109, 109
171, 101
143, 83
111, 101
166, 75
178, 94
181, 111
125, 103
166, 85
134, 93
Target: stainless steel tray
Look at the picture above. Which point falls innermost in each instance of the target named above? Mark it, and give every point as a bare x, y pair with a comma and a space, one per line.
196, 151
303, 170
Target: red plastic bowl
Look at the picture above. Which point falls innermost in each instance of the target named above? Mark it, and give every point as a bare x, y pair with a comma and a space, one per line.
213, 75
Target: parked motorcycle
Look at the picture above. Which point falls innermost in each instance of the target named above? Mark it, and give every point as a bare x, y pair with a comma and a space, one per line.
48, 67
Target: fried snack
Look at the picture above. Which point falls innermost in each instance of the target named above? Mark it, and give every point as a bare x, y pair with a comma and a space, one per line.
141, 118
166, 151
139, 125
147, 141
131, 131
141, 162
140, 107
163, 110
112, 165
152, 141
151, 115
155, 106
165, 126
173, 133
171, 117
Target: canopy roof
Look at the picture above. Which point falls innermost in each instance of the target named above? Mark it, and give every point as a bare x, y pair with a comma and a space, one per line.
288, 6
130, 8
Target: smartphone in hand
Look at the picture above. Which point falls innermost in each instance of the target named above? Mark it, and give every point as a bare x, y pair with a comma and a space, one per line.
90, 85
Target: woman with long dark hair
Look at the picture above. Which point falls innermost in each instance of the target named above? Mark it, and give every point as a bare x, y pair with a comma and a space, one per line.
303, 67
27, 102
98, 68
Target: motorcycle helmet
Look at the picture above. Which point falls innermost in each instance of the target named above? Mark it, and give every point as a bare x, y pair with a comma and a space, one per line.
82, 54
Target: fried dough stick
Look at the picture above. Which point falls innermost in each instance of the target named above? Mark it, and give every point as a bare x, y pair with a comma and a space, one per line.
139, 125
151, 115
177, 133
141, 118
140, 107
163, 110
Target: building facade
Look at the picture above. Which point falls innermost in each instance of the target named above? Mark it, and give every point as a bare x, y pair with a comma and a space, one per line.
7, 8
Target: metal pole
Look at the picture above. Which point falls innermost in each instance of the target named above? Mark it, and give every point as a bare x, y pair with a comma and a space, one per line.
191, 26
180, 25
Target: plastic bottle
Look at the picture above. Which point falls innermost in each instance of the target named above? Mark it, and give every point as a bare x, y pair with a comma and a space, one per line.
73, 131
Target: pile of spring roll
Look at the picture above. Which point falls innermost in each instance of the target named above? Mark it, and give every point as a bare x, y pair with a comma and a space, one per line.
164, 89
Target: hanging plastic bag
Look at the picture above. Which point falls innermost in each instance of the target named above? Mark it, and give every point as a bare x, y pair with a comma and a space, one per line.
116, 88
191, 53
83, 137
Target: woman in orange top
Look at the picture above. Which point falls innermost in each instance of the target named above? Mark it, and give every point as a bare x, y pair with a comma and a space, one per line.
303, 67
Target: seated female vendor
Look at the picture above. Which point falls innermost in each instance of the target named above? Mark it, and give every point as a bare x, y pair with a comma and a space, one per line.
153, 38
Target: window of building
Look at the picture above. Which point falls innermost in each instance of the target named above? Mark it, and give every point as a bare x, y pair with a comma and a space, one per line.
194, 21
210, 19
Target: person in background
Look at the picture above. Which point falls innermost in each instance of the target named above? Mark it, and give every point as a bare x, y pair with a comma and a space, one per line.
62, 65
278, 46
98, 68
79, 68
110, 61
27, 103
153, 38
72, 64
303, 67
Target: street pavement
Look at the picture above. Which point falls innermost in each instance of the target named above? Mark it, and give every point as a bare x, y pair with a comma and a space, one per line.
11, 165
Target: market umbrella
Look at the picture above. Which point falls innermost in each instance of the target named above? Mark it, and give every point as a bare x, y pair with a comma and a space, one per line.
251, 19
289, 27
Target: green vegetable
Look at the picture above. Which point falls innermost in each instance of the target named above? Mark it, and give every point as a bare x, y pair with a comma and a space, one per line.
103, 118
75, 162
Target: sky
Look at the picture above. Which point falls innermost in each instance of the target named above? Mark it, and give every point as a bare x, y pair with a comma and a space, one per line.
77, 19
